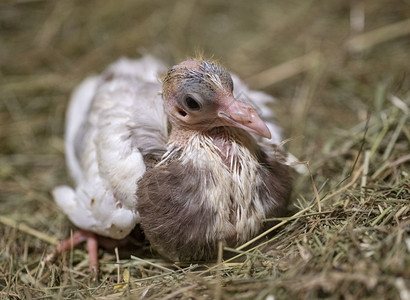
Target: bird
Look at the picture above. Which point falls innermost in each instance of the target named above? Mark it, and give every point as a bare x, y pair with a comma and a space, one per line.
189, 153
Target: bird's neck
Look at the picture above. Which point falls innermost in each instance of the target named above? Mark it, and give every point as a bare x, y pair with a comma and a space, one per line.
219, 140
219, 135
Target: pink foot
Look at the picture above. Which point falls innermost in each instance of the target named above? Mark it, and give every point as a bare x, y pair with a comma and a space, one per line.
79, 237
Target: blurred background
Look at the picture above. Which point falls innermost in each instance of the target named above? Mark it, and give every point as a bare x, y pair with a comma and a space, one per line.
331, 65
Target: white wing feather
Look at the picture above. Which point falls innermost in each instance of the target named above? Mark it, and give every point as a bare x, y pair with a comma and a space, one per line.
111, 121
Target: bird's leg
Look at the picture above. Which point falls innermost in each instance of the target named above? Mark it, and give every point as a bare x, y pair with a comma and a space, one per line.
79, 237
92, 245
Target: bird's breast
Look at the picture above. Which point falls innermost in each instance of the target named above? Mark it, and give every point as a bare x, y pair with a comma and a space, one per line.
226, 177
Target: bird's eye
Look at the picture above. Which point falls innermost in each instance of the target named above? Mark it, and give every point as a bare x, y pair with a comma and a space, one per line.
192, 104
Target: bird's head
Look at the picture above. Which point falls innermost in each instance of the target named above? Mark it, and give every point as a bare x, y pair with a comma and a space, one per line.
198, 95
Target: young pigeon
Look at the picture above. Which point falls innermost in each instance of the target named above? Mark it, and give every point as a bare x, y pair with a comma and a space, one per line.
216, 177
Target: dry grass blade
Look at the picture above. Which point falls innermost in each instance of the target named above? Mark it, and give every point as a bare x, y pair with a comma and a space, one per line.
27, 229
369, 39
151, 264
285, 70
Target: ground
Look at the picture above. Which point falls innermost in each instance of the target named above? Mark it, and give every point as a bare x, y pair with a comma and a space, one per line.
340, 73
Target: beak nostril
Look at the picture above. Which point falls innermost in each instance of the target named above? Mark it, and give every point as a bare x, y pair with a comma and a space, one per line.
182, 112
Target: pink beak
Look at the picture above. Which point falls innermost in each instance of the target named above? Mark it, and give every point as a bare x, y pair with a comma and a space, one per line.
242, 115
